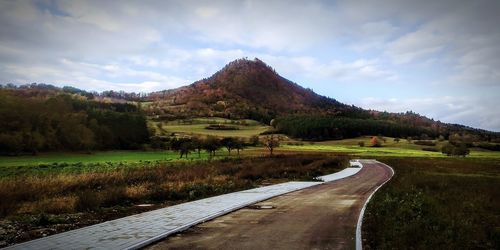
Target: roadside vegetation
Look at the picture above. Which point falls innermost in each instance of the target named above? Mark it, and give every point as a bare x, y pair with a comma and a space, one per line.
34, 205
449, 203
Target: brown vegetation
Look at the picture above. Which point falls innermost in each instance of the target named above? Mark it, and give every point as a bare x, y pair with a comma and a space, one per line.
451, 203
64, 194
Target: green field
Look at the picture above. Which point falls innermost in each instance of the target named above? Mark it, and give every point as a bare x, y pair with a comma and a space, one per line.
246, 128
97, 157
389, 148
104, 161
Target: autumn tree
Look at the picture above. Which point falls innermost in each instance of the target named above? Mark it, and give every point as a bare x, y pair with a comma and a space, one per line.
375, 142
271, 142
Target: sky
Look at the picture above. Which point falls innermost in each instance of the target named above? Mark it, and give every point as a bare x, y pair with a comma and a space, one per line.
437, 58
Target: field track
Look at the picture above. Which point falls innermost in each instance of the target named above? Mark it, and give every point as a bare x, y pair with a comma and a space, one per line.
319, 217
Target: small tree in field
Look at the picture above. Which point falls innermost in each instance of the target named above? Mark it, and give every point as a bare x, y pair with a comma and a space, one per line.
229, 143
375, 142
239, 145
396, 140
211, 144
183, 145
198, 145
271, 142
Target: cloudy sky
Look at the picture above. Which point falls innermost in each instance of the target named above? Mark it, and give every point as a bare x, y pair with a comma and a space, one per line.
437, 58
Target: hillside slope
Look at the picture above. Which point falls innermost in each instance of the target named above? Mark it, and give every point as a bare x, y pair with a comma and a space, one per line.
245, 89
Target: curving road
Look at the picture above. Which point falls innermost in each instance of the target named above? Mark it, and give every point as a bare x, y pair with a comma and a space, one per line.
319, 217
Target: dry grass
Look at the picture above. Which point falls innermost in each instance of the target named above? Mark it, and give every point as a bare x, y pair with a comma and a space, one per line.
69, 193
447, 203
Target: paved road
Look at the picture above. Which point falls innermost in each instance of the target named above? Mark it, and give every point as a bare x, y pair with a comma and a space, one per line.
319, 217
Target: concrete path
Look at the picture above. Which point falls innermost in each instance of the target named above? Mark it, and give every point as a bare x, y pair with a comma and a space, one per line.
320, 217
142, 229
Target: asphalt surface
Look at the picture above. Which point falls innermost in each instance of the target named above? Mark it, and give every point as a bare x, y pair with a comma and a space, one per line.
319, 217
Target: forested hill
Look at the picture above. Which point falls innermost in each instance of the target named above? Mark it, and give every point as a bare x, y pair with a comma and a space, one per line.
42, 119
246, 89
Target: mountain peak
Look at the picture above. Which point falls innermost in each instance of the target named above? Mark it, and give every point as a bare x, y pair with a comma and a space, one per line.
243, 65
245, 61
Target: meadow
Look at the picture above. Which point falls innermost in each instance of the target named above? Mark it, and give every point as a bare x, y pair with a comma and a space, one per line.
403, 148
448, 203
197, 126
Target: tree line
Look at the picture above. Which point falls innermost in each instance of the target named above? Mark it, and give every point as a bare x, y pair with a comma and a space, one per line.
186, 145
319, 127
65, 121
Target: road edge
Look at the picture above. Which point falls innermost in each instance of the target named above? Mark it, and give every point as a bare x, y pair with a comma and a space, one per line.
359, 243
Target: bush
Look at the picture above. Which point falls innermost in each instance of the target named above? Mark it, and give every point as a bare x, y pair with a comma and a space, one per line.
452, 150
87, 200
375, 142
361, 143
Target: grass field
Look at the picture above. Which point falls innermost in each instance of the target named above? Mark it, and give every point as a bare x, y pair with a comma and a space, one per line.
123, 156
246, 128
389, 148
448, 203
104, 161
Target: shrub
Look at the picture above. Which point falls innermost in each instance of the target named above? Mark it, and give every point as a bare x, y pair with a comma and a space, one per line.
450, 150
87, 200
375, 142
361, 143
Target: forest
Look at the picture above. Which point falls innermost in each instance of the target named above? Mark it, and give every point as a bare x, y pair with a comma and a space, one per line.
34, 121
320, 127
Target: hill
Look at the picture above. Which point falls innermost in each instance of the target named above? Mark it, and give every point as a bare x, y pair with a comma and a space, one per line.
245, 89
